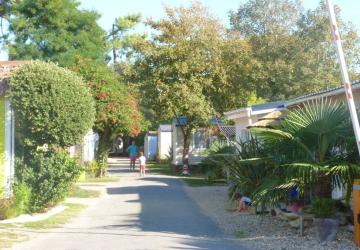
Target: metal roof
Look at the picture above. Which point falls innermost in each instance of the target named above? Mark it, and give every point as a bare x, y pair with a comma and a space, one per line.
322, 93
269, 105
165, 127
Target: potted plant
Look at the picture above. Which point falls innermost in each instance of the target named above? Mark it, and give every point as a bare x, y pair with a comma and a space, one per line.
326, 226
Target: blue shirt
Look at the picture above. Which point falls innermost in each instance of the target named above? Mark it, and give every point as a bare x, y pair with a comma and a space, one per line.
133, 149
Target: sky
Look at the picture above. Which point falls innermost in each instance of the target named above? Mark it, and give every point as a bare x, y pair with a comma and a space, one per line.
111, 9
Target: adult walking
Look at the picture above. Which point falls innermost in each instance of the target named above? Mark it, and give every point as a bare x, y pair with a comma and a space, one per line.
133, 151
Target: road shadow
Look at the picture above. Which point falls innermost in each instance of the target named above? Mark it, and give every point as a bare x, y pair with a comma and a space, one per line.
166, 208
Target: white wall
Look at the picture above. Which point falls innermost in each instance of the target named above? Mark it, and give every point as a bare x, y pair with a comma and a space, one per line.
9, 149
164, 144
150, 146
90, 146
195, 154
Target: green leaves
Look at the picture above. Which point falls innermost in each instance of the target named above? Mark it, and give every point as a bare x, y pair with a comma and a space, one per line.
52, 104
192, 66
293, 47
55, 30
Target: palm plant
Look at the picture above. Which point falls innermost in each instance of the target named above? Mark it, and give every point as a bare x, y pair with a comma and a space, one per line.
311, 148
248, 167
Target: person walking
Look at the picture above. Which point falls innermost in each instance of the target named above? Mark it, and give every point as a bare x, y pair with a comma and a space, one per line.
133, 151
142, 161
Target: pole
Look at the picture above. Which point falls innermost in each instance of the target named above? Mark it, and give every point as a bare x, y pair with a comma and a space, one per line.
352, 108
344, 73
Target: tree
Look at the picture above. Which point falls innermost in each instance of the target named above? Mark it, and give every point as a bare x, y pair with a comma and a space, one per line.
116, 105
53, 105
120, 39
294, 48
55, 30
190, 67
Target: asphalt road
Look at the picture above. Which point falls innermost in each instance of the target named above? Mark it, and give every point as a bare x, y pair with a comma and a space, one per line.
136, 213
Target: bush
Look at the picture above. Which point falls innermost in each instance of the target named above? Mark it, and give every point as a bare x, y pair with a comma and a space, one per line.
49, 175
17, 204
212, 164
323, 207
52, 104
95, 169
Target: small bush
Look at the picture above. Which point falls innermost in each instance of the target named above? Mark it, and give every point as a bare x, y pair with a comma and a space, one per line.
17, 204
212, 164
49, 175
323, 207
95, 169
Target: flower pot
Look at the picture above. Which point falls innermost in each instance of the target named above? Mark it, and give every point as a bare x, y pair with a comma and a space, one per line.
326, 228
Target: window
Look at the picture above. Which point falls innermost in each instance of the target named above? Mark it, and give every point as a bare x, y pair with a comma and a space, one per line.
199, 139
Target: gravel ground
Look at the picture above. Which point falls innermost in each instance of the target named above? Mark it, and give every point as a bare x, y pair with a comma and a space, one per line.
260, 232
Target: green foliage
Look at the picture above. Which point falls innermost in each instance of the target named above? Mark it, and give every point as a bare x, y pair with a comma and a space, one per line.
116, 105
216, 75
311, 150
95, 169
308, 151
211, 164
322, 207
52, 104
17, 204
249, 169
120, 38
49, 175
293, 47
55, 30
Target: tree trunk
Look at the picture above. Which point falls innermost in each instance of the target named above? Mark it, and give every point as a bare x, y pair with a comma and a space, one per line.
104, 147
113, 44
186, 149
322, 187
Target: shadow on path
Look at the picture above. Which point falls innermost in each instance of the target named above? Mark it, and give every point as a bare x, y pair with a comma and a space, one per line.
166, 208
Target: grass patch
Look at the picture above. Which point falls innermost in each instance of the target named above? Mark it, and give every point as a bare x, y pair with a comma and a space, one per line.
54, 221
195, 180
78, 192
58, 219
99, 180
8, 238
240, 234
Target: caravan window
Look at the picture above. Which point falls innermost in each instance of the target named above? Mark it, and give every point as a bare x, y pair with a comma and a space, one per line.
199, 139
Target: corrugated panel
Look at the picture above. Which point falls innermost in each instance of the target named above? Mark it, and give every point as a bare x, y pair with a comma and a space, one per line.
2, 145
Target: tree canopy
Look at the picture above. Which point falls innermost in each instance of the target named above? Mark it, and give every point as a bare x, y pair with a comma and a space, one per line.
192, 67
117, 111
294, 48
55, 30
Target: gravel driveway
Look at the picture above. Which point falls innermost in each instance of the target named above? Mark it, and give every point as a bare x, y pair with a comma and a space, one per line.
153, 212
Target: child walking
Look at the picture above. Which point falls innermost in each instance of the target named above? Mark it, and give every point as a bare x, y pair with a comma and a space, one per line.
142, 160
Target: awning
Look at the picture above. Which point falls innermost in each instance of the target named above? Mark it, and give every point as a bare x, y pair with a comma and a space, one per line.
272, 119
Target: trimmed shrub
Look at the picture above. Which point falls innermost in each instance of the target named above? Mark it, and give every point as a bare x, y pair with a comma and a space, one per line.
52, 104
50, 176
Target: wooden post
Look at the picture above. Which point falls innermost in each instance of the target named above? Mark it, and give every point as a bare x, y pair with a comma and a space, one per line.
356, 194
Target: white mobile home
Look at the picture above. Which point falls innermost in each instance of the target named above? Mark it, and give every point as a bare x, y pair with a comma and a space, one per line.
6, 129
151, 145
247, 116
199, 143
164, 141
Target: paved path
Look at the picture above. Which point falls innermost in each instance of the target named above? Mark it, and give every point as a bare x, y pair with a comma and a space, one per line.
137, 213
